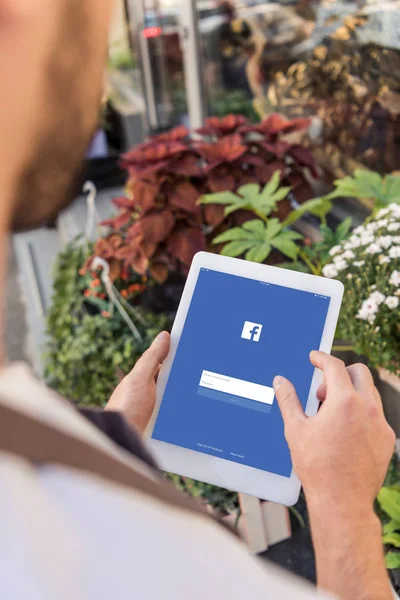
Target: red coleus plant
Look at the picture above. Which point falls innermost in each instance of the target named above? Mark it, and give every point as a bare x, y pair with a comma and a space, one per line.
160, 225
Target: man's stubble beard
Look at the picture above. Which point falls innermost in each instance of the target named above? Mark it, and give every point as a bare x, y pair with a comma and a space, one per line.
50, 179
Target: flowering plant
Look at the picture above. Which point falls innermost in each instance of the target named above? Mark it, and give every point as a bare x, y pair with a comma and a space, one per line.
368, 263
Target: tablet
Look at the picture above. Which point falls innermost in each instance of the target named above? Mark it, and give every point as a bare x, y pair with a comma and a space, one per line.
239, 324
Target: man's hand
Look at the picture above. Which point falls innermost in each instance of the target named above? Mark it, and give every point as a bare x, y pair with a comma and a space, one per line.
346, 448
341, 457
135, 396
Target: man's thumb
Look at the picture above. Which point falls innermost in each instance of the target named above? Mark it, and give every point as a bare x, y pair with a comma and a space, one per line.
288, 401
148, 365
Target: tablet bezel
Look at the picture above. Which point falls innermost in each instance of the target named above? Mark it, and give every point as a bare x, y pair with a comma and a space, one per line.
219, 471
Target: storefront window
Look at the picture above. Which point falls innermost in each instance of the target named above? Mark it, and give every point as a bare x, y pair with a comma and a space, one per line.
335, 62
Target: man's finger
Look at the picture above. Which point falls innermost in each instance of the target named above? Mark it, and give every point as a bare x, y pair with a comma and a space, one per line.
335, 373
288, 401
148, 365
364, 383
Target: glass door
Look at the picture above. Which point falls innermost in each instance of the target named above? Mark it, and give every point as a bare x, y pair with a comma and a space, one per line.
157, 27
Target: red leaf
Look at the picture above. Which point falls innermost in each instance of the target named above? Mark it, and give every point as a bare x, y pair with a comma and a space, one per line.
185, 244
128, 252
103, 248
154, 227
115, 241
214, 214
252, 158
153, 152
146, 170
276, 123
187, 165
148, 247
227, 149
140, 263
305, 158
145, 194
115, 268
225, 126
159, 272
184, 196
124, 202
177, 134
242, 216
278, 148
119, 221
302, 190
265, 172
221, 180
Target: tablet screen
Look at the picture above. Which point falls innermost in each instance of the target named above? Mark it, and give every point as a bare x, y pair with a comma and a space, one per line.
239, 333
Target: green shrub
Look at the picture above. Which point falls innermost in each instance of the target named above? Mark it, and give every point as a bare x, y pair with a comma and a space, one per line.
87, 349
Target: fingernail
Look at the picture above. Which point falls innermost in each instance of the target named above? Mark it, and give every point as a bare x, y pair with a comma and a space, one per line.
162, 337
278, 382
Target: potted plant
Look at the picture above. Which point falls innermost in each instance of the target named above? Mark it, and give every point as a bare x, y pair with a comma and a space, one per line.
368, 263
90, 347
161, 225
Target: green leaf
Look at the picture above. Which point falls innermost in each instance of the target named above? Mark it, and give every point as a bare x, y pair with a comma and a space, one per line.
392, 539
368, 183
392, 560
219, 198
294, 266
236, 233
259, 253
256, 225
390, 527
272, 185
230, 209
98, 302
236, 248
281, 194
389, 500
267, 201
343, 229
249, 197
249, 191
286, 246
274, 226
393, 188
319, 207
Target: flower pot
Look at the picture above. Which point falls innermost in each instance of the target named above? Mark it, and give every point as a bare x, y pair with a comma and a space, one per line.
389, 388
387, 384
263, 524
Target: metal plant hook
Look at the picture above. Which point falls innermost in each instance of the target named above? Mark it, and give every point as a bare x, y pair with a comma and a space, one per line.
114, 295
90, 189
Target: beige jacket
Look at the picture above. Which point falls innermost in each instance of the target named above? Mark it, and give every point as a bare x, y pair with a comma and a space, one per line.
82, 519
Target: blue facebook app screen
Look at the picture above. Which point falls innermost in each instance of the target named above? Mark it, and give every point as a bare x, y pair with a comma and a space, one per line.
240, 333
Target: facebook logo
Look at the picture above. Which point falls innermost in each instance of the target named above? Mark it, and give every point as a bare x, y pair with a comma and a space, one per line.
251, 331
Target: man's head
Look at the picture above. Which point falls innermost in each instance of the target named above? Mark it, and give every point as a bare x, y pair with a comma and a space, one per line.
52, 58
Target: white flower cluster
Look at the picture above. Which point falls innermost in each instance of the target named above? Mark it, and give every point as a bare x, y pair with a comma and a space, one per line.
370, 306
368, 240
